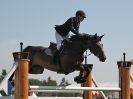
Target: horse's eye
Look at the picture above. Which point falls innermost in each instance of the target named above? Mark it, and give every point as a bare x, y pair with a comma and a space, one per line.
100, 44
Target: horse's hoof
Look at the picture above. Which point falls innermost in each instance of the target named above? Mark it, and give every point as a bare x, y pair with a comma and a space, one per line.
79, 79
76, 79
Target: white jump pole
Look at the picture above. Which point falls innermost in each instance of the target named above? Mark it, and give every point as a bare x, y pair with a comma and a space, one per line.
74, 88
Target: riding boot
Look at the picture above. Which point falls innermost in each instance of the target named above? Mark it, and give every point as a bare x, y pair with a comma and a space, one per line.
56, 57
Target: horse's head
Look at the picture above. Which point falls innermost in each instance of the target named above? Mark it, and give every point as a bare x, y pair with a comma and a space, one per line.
92, 42
96, 47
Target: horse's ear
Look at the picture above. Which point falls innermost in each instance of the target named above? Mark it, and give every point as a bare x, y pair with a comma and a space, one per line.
95, 35
101, 37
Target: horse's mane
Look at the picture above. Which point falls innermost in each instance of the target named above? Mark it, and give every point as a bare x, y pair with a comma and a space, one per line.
82, 36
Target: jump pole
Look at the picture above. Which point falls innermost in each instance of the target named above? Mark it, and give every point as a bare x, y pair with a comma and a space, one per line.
124, 78
21, 76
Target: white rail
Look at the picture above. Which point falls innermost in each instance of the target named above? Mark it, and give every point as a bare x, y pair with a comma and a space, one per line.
74, 88
58, 91
11, 97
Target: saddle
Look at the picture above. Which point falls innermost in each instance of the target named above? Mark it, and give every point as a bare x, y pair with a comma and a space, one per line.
56, 53
53, 47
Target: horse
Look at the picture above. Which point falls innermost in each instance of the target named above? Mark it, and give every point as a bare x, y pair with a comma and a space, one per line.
69, 59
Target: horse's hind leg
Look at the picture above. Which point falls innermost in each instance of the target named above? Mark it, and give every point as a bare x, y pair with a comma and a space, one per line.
36, 69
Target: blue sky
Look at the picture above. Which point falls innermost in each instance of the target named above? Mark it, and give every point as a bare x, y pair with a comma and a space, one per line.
32, 22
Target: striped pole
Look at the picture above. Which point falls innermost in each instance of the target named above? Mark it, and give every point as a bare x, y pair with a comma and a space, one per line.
124, 78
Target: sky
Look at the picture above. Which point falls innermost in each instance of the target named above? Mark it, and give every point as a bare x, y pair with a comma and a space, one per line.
32, 22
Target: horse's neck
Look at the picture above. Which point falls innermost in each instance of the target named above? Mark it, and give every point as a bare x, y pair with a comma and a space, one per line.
77, 47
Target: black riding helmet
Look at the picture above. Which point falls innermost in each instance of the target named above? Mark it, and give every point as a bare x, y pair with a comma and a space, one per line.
81, 13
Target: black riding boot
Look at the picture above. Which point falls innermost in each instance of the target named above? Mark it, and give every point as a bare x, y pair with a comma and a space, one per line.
56, 57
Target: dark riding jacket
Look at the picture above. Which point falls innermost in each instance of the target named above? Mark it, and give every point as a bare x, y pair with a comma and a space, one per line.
70, 25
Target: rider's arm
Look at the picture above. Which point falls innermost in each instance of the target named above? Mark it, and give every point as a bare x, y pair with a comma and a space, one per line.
73, 29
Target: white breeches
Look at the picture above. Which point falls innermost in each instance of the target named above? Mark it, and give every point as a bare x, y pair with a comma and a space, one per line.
59, 39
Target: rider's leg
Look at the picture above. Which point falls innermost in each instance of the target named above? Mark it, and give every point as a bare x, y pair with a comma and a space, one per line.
58, 40
66, 37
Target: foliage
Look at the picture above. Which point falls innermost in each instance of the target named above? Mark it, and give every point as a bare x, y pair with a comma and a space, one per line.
37, 82
51, 82
64, 82
3, 74
47, 82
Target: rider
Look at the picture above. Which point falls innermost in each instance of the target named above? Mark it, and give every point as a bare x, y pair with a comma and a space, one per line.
72, 24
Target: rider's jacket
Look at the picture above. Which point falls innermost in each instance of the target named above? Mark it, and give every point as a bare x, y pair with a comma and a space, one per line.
70, 25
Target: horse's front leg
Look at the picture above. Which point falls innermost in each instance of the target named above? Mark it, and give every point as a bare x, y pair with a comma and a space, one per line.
88, 69
84, 72
81, 76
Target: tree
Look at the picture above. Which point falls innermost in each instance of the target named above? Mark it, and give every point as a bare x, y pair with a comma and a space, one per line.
64, 82
37, 82
3, 74
51, 82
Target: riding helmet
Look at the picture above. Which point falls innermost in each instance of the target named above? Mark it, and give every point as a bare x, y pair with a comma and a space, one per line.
81, 13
